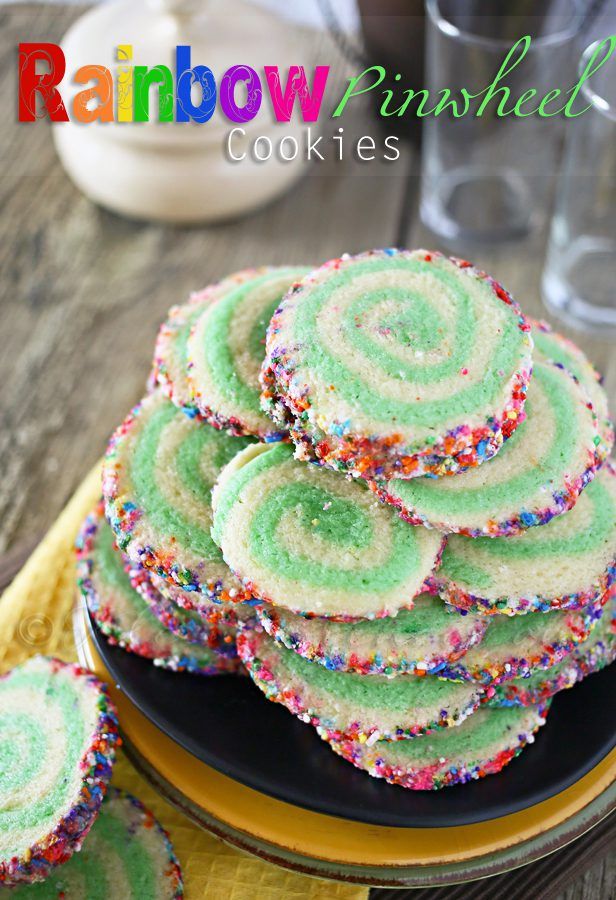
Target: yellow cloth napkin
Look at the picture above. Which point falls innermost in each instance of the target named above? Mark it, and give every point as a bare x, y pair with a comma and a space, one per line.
35, 617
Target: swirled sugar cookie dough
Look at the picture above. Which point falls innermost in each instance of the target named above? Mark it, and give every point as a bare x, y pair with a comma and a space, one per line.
157, 479
422, 640
552, 346
127, 620
565, 564
226, 347
538, 474
394, 364
483, 745
128, 855
348, 705
58, 738
304, 538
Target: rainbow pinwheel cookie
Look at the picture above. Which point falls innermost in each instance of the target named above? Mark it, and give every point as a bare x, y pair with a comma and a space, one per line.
483, 745
538, 474
128, 854
301, 537
58, 739
393, 364
157, 480
347, 705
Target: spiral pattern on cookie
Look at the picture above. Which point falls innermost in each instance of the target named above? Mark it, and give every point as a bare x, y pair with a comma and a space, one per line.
397, 364
128, 621
554, 347
422, 640
483, 745
304, 538
347, 705
157, 479
538, 474
226, 346
127, 855
566, 564
58, 735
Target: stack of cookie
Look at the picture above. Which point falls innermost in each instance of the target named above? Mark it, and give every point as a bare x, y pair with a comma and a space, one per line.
148, 569
421, 611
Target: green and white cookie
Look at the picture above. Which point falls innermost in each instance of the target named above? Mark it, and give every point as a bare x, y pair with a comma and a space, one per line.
170, 364
550, 345
127, 620
226, 347
128, 855
58, 739
351, 706
592, 655
393, 364
539, 473
302, 537
422, 640
515, 646
566, 564
157, 480
483, 745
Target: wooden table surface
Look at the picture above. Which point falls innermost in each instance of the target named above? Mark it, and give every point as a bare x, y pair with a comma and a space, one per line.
83, 292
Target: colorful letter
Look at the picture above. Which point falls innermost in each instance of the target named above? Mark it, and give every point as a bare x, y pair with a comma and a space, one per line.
102, 92
186, 77
297, 86
254, 94
45, 83
144, 78
125, 84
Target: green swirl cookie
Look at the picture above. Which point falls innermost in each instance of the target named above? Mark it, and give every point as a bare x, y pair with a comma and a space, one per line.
566, 564
226, 347
483, 745
539, 473
127, 856
157, 480
422, 640
346, 705
393, 364
170, 364
302, 537
127, 620
592, 655
58, 739
518, 645
550, 345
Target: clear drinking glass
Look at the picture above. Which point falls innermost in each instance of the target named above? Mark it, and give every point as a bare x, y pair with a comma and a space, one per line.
488, 179
579, 279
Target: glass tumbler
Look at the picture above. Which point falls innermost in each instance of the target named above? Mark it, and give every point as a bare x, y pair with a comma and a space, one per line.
579, 279
488, 179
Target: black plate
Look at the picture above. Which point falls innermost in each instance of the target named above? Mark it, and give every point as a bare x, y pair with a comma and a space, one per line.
226, 722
